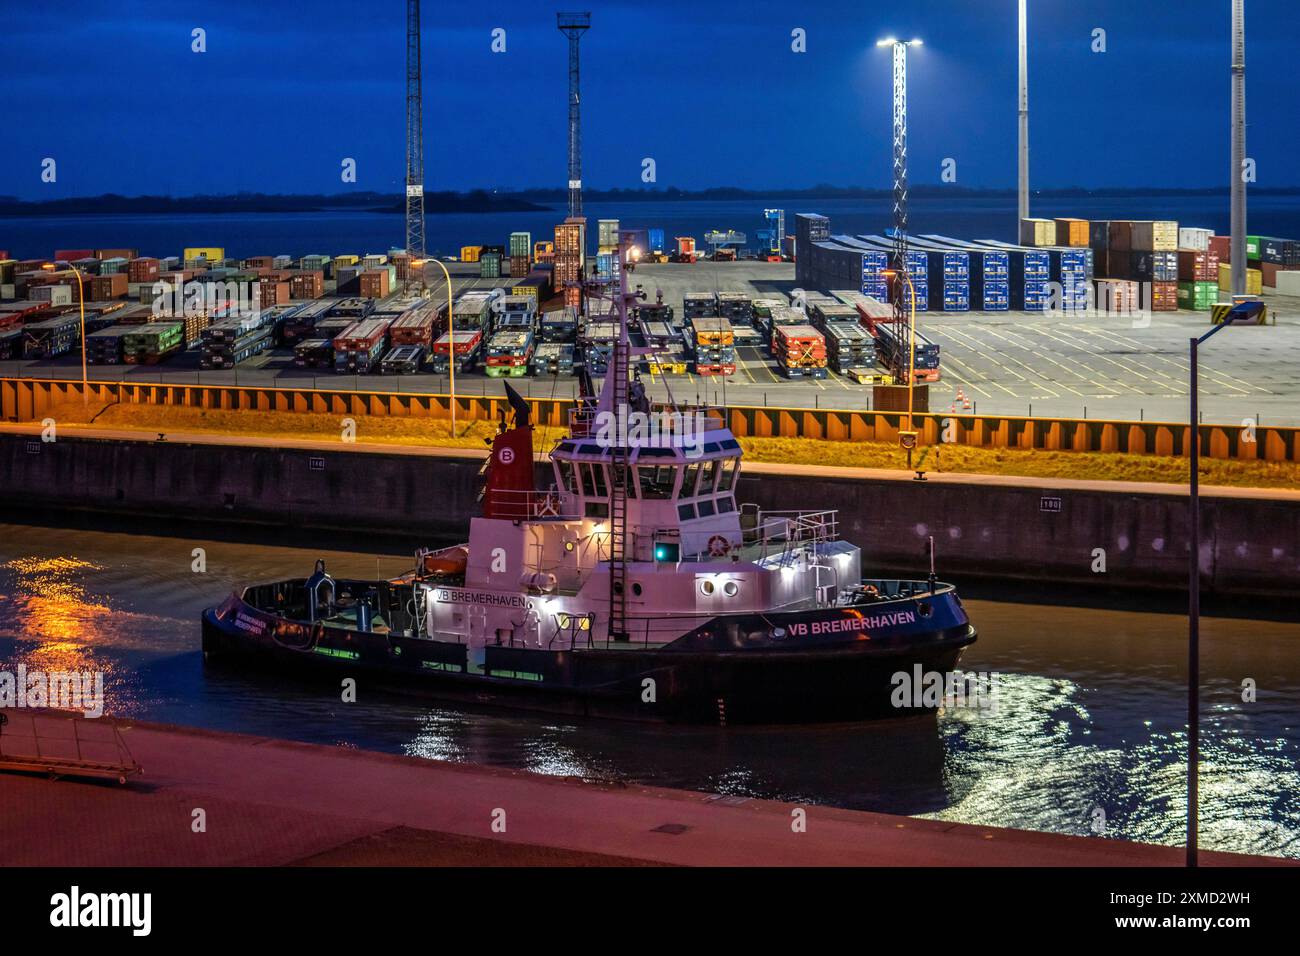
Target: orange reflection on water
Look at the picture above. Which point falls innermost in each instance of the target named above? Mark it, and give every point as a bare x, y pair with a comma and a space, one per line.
51, 606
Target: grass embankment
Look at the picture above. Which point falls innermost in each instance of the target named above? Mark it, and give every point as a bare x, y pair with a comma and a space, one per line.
387, 430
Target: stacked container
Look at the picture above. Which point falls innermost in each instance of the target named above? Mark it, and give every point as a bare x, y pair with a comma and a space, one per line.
1071, 232
799, 350
1037, 232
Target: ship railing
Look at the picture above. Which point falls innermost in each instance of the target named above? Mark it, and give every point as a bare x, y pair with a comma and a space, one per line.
521, 505
790, 530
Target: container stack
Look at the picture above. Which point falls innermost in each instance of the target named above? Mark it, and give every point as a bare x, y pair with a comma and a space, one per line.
143, 270
737, 307
570, 257
521, 250
228, 342
606, 235
105, 346
800, 350
489, 265
1198, 276
151, 343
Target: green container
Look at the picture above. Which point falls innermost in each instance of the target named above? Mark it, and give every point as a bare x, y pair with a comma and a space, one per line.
521, 243
1198, 296
490, 265
1252, 247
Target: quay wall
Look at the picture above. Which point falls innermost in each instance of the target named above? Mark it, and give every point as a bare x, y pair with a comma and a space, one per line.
1025, 529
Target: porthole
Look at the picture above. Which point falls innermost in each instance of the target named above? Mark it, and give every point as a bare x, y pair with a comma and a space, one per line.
636, 589
730, 589
706, 587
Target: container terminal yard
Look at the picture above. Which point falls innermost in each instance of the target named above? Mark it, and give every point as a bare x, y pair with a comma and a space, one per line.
1094, 361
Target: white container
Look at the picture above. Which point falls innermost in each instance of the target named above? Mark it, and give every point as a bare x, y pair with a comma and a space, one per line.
1189, 237
53, 294
1288, 282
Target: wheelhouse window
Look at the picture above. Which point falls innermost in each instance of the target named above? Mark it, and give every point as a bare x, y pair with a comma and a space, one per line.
730, 468
709, 476
656, 481
564, 469
690, 476
594, 484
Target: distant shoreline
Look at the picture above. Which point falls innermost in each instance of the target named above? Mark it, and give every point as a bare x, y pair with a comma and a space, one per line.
543, 200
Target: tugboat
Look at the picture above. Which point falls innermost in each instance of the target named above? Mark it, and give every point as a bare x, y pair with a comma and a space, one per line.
632, 586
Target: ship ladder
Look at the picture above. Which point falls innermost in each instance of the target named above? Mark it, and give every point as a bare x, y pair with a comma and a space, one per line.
618, 504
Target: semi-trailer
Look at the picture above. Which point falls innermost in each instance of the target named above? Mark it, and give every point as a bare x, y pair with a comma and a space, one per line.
359, 347
402, 360
465, 342
553, 358
509, 352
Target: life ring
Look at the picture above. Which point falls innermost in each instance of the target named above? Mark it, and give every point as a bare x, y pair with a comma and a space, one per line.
719, 546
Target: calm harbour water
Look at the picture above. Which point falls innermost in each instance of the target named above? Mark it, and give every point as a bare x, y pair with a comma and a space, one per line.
336, 232
1090, 702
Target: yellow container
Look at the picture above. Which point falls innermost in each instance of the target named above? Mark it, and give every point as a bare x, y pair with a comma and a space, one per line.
346, 260
1254, 279
211, 253
470, 253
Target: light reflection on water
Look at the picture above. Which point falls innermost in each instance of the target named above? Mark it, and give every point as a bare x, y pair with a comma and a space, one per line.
1089, 718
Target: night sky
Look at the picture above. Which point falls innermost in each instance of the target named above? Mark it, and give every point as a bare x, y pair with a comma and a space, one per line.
712, 92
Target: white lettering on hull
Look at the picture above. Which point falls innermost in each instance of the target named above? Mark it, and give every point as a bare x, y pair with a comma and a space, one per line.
842, 624
488, 598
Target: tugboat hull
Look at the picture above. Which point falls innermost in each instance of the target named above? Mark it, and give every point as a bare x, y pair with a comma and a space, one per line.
794, 668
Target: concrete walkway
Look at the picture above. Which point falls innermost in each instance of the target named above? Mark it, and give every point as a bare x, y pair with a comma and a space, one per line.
275, 802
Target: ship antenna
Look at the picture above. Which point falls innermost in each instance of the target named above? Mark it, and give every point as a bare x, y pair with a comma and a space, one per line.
933, 578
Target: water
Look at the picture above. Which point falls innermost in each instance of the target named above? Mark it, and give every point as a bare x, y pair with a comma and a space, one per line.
342, 231
1090, 704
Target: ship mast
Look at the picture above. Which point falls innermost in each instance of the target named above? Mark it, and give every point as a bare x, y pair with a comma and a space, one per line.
618, 391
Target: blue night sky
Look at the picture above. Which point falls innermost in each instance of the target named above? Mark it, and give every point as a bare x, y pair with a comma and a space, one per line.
286, 91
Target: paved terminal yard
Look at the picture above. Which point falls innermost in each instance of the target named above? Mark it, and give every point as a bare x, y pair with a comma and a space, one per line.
1017, 363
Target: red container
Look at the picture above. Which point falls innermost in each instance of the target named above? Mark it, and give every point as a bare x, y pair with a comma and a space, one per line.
1164, 297
111, 286
71, 255
143, 270
373, 284
1197, 266
116, 254
1121, 235
273, 293
1222, 247
307, 284
259, 262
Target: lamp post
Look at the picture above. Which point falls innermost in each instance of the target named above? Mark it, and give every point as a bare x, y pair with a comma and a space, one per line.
451, 331
1245, 312
81, 301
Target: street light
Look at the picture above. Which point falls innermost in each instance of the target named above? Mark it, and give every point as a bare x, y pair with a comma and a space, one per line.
451, 331
1241, 313
81, 300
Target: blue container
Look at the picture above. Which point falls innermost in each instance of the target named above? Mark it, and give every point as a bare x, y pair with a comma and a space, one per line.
656, 240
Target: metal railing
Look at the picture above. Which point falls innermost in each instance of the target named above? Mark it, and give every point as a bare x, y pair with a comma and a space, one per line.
32, 743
